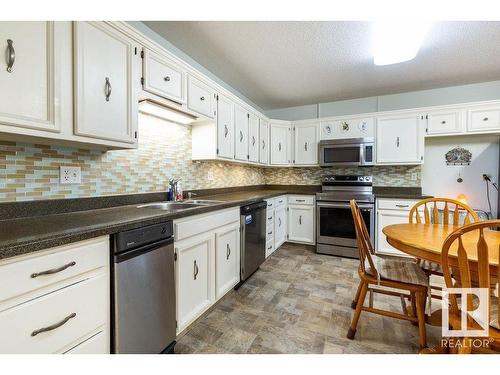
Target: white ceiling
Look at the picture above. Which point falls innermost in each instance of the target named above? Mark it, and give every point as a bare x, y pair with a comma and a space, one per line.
283, 64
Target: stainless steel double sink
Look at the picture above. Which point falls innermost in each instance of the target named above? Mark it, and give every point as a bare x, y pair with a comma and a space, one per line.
172, 206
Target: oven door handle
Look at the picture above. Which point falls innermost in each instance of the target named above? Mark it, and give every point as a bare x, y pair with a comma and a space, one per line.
344, 205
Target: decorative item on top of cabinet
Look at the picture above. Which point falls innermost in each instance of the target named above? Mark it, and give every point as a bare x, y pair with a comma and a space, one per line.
163, 77
201, 97
241, 117
280, 142
253, 138
348, 128
305, 150
301, 219
444, 122
484, 118
30, 88
264, 141
400, 139
106, 92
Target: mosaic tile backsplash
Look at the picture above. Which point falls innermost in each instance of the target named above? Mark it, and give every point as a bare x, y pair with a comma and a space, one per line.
31, 171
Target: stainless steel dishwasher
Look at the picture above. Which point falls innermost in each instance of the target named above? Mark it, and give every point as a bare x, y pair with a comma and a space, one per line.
253, 238
143, 308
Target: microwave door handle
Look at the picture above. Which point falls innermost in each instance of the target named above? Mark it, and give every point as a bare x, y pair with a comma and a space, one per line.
362, 154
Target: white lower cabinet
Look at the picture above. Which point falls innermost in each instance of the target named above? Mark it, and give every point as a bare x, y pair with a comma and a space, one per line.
56, 312
227, 259
301, 219
390, 211
207, 249
194, 275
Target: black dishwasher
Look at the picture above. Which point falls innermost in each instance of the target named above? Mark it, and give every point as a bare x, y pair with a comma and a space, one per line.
253, 238
143, 308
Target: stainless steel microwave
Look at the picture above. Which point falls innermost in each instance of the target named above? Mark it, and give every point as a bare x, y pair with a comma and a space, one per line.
346, 152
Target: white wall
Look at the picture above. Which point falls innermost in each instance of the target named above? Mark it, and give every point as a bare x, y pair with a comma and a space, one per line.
438, 179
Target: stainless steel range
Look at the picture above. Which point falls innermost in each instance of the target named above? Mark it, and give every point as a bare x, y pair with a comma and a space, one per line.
335, 233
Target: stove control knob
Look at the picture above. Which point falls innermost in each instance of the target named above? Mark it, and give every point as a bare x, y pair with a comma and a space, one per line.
368, 178
360, 178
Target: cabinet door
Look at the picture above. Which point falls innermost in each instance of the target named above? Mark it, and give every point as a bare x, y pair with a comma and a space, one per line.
301, 223
385, 218
227, 260
201, 97
484, 119
399, 140
195, 277
444, 122
253, 138
280, 135
163, 77
306, 144
29, 96
241, 133
264, 142
105, 88
225, 128
279, 226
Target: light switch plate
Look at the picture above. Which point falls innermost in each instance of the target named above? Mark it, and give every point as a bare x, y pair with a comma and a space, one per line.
70, 175
210, 176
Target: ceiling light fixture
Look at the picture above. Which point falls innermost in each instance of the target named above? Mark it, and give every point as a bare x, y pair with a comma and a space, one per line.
395, 42
157, 110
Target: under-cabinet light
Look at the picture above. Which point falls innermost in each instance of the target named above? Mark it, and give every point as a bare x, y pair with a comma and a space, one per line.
157, 110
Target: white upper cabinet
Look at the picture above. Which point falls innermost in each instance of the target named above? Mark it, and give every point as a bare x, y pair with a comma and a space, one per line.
225, 127
29, 92
444, 122
163, 77
280, 144
485, 118
264, 141
253, 138
201, 97
305, 148
241, 133
399, 139
347, 128
105, 83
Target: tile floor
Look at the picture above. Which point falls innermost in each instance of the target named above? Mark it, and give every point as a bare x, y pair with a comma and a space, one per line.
299, 302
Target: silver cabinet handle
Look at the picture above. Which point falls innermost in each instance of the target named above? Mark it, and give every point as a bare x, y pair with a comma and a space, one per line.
484, 119
328, 129
107, 89
279, 222
11, 55
166, 79
202, 98
279, 146
300, 219
226, 130
443, 122
270, 218
269, 233
397, 142
402, 205
195, 269
228, 252
53, 326
241, 136
263, 145
53, 270
300, 200
270, 247
305, 146
253, 140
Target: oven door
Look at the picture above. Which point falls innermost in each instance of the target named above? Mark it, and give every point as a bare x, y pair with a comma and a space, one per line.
335, 225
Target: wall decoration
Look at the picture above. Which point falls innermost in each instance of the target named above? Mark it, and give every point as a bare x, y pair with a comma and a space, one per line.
458, 156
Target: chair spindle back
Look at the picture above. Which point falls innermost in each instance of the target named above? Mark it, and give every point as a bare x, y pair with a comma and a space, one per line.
432, 215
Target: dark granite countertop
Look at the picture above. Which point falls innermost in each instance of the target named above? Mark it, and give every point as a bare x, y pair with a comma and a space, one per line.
28, 234
399, 192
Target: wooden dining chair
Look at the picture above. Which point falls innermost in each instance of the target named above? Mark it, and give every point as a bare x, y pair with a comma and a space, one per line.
479, 273
443, 211
405, 278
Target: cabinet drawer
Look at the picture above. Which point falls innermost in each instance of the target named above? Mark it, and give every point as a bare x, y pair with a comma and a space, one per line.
269, 247
396, 204
301, 199
77, 310
269, 217
194, 225
484, 119
163, 78
97, 344
200, 97
280, 201
269, 231
444, 122
270, 204
63, 262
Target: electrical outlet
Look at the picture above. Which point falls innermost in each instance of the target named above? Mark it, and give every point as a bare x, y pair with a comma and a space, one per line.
70, 175
414, 176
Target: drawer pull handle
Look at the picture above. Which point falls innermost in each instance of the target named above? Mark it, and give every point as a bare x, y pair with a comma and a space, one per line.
202, 98
270, 247
53, 270
228, 252
485, 119
195, 270
53, 326
270, 218
269, 233
402, 205
300, 200
11, 55
443, 122
167, 79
